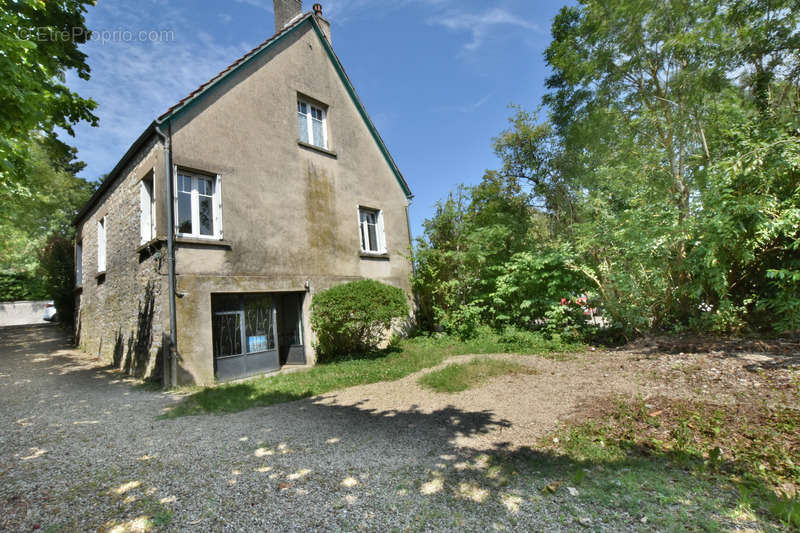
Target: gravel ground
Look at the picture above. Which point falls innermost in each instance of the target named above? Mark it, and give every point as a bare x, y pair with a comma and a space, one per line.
81, 449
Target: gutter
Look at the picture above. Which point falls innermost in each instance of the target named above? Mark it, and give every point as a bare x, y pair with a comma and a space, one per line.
172, 358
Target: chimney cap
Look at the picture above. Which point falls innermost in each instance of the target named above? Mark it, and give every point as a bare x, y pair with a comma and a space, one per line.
317, 9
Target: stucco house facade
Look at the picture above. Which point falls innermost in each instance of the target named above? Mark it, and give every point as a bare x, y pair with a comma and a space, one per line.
205, 245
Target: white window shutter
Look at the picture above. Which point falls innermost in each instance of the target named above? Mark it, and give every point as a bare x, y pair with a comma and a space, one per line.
218, 207
152, 210
101, 245
146, 223
381, 234
79, 264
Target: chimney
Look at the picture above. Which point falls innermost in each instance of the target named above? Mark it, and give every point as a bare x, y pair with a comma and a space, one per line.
324, 25
285, 11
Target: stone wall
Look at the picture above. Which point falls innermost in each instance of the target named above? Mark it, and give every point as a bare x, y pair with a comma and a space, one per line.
122, 315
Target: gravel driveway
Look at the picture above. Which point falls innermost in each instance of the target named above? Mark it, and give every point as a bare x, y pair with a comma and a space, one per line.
81, 448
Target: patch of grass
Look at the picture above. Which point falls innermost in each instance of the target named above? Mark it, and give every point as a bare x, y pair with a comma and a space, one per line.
749, 448
401, 359
462, 376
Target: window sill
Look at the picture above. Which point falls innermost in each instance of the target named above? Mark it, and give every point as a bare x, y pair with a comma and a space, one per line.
375, 255
150, 246
319, 149
214, 243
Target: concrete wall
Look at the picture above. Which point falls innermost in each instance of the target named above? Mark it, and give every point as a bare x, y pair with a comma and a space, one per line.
289, 212
23, 312
122, 315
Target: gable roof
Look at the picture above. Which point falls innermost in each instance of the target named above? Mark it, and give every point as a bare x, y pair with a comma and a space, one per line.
197, 95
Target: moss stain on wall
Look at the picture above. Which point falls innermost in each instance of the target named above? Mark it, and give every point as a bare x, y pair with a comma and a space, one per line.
321, 210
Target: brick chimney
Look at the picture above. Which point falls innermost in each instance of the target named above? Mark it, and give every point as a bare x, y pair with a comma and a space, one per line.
285, 11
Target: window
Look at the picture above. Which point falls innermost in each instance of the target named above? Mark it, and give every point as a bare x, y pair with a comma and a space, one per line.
199, 207
147, 210
102, 229
370, 223
311, 124
243, 324
79, 263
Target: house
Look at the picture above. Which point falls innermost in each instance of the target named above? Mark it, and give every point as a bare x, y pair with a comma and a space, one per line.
206, 243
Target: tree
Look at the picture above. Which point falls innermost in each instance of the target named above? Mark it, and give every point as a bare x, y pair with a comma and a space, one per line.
667, 169
471, 235
57, 270
38, 44
27, 221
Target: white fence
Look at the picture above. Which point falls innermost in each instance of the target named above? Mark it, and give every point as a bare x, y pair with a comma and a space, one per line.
19, 313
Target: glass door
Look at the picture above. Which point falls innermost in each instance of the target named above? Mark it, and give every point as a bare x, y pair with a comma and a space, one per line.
245, 333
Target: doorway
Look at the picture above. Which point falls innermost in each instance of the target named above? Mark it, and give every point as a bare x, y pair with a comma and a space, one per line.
256, 333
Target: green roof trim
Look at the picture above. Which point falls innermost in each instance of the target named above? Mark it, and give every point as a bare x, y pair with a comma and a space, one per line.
175, 113
362, 111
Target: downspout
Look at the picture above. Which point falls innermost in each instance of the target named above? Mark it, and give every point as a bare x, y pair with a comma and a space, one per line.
173, 335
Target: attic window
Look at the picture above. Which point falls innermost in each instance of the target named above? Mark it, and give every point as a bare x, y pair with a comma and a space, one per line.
312, 124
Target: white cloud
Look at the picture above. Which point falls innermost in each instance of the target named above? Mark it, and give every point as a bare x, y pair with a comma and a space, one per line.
480, 24
467, 108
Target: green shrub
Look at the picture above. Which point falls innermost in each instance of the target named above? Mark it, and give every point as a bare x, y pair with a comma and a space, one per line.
565, 320
463, 322
522, 341
726, 318
354, 317
529, 285
17, 286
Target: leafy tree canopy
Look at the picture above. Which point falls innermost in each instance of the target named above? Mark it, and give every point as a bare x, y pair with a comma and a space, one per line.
666, 163
38, 44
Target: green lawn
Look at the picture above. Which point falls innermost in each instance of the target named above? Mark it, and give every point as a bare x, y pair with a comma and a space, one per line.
459, 377
404, 358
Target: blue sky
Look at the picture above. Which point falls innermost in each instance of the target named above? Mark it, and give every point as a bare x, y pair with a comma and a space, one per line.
436, 76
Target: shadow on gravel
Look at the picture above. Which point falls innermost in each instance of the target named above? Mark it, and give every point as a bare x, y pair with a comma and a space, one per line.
42, 352
32, 339
616, 486
454, 485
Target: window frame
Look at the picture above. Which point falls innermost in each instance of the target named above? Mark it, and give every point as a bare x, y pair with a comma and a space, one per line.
216, 204
310, 123
363, 232
102, 245
240, 311
147, 209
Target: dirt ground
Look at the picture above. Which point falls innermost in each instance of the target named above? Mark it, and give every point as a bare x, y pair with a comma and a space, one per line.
81, 447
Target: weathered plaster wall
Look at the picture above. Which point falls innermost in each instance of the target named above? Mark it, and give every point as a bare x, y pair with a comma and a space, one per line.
289, 212
122, 316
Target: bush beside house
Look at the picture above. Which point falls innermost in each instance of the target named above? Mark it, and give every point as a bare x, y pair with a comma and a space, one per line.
355, 317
